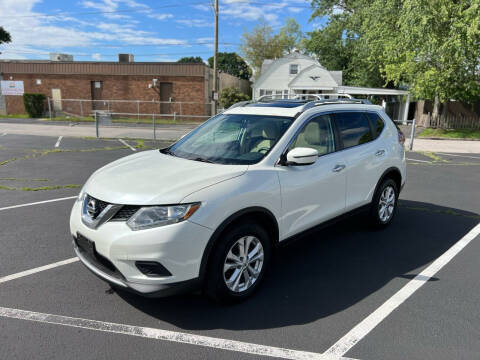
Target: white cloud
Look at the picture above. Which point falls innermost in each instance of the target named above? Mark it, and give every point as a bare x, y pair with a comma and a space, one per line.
195, 22
160, 16
96, 56
34, 35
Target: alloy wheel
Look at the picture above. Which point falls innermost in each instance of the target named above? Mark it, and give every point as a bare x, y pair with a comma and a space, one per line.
243, 264
386, 204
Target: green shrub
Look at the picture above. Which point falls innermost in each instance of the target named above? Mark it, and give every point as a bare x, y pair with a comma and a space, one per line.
230, 96
34, 104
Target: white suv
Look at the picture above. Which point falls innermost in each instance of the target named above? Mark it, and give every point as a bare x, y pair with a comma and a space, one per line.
209, 210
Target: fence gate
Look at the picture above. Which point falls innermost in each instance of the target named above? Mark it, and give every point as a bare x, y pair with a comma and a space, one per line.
97, 95
57, 99
165, 97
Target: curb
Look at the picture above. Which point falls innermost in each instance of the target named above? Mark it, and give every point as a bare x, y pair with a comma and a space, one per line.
448, 139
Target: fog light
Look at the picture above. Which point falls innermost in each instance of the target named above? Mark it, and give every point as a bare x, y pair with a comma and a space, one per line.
152, 269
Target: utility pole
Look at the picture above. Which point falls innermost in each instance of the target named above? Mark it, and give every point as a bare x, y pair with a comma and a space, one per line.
215, 72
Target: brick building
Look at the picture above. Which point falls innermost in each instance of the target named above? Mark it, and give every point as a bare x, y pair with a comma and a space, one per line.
190, 84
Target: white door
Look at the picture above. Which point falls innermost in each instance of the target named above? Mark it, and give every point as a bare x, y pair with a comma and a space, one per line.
364, 157
57, 99
314, 193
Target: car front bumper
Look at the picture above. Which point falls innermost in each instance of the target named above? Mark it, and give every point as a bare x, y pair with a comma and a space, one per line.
178, 248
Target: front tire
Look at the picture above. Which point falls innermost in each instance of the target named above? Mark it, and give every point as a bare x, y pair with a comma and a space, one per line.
384, 204
238, 263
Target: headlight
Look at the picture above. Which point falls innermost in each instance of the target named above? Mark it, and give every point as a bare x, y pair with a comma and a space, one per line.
153, 216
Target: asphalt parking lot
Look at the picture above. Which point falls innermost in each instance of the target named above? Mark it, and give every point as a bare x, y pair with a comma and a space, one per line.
344, 291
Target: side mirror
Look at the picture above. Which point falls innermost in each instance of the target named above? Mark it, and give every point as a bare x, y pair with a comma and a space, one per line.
302, 156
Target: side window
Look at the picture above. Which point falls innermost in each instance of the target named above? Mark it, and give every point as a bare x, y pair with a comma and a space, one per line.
354, 128
293, 69
377, 123
317, 134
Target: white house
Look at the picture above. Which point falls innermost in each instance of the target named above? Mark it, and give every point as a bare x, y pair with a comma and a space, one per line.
300, 74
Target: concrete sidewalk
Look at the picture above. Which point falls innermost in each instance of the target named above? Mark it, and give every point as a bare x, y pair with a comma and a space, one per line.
446, 146
165, 132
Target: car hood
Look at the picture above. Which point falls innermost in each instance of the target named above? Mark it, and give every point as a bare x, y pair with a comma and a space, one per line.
153, 178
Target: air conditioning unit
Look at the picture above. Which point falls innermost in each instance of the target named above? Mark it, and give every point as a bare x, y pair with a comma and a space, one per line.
125, 58
60, 57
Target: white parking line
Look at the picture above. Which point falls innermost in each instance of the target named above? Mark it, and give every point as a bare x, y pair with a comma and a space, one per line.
166, 335
3, 134
464, 156
424, 161
37, 270
57, 144
37, 203
343, 345
127, 144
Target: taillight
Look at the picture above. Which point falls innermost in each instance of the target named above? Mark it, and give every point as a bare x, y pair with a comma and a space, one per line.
401, 137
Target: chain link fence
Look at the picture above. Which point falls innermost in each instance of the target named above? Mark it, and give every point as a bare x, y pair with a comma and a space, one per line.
129, 111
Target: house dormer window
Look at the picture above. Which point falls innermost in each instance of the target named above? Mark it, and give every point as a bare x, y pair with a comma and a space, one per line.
293, 69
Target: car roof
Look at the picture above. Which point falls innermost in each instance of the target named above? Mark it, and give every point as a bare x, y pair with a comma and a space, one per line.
294, 107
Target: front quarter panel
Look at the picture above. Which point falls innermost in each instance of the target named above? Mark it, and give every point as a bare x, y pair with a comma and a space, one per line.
258, 187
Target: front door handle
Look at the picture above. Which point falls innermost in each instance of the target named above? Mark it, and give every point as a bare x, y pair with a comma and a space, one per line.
338, 168
380, 153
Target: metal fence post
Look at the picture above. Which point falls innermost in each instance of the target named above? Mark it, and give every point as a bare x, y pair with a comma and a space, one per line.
49, 109
412, 134
96, 123
153, 119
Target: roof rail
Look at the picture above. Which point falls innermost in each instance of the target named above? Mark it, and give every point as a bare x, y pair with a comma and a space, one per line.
274, 97
312, 104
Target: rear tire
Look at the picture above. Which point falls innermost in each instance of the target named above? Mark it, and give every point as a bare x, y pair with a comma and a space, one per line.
384, 204
238, 263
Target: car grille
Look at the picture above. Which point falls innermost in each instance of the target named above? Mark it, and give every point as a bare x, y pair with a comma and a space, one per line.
125, 212
100, 205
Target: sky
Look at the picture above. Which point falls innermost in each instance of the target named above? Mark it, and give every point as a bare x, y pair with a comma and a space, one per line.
162, 30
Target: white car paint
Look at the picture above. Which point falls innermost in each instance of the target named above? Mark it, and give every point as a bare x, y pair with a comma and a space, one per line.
299, 197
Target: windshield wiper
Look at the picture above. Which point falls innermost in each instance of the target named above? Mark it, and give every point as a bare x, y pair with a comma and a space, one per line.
202, 160
167, 152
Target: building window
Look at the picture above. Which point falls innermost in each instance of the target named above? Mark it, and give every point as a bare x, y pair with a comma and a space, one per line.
285, 94
262, 92
38, 82
268, 92
293, 69
278, 94
98, 84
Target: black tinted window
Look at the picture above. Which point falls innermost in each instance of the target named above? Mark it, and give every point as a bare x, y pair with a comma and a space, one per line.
354, 128
377, 124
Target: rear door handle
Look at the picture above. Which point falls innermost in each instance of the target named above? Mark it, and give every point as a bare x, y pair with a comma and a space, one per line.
338, 168
380, 153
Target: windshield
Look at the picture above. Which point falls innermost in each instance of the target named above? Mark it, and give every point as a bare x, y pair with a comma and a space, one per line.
232, 139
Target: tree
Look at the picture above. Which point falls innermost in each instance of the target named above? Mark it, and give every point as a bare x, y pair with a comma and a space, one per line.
339, 46
261, 43
190, 59
290, 36
233, 64
231, 95
4, 36
433, 46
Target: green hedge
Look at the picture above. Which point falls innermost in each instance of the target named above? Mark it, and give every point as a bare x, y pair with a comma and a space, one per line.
34, 104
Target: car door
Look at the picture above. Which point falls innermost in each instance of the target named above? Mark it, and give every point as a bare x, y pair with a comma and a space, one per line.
313, 193
364, 156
